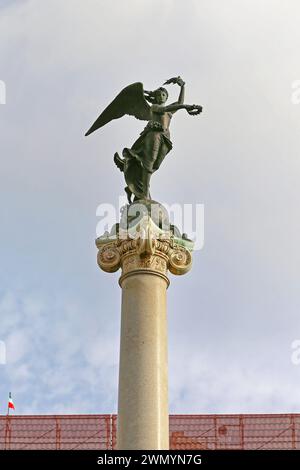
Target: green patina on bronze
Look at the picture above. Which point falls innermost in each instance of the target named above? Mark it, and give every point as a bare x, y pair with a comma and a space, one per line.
149, 150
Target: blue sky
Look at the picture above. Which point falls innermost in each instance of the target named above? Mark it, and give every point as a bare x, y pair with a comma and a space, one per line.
233, 318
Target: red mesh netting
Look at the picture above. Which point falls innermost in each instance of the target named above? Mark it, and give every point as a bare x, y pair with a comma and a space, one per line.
186, 432
56, 432
235, 432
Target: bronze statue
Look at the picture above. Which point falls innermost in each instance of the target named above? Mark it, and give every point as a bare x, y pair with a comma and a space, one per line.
149, 150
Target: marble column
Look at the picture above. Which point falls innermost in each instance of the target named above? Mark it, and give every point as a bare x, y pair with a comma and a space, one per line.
145, 253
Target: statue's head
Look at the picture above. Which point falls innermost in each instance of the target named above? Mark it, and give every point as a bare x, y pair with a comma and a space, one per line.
161, 95
158, 96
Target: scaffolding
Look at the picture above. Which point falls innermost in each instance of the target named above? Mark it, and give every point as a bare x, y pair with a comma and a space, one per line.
96, 432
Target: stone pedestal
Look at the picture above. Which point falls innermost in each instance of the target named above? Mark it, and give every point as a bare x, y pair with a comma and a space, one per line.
145, 251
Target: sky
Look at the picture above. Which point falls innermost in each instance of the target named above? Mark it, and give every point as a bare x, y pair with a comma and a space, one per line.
232, 320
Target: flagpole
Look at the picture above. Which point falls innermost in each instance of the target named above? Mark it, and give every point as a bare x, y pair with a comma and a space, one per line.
7, 427
8, 407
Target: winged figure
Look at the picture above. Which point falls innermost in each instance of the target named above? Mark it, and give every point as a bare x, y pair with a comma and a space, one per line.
149, 150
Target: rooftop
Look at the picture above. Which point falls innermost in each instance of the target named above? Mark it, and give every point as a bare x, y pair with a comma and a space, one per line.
94, 432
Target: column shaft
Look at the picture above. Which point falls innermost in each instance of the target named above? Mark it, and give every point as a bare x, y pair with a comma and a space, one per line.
143, 415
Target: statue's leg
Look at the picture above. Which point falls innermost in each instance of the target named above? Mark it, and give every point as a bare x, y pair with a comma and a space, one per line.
146, 183
152, 145
129, 194
151, 149
138, 164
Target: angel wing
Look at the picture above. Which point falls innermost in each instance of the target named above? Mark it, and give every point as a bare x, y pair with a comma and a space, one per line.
130, 101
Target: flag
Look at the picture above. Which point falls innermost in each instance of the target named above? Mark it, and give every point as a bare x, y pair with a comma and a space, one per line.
10, 402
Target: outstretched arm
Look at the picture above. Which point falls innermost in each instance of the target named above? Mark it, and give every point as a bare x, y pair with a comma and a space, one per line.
172, 108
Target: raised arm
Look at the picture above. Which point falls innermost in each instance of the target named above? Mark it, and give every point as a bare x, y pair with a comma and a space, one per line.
192, 109
181, 83
180, 101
